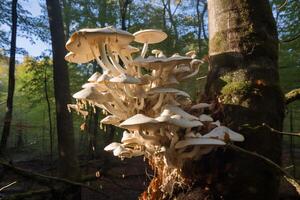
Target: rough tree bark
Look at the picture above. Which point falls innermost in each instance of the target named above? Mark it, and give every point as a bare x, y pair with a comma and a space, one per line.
243, 50
68, 164
11, 78
244, 85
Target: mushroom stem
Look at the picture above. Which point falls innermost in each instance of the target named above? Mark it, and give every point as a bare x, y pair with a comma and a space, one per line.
98, 59
116, 65
119, 103
124, 59
174, 139
144, 51
159, 102
127, 91
105, 60
141, 105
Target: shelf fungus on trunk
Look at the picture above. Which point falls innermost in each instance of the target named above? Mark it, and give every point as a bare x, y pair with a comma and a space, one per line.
145, 102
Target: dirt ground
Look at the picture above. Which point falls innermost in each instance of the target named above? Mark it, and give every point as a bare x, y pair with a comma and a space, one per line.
118, 180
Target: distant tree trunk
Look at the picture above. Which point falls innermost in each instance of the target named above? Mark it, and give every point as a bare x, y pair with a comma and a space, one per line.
123, 11
11, 78
199, 20
244, 85
102, 14
66, 17
49, 112
68, 164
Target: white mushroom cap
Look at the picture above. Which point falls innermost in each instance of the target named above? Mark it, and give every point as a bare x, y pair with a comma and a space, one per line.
94, 77
138, 121
79, 58
217, 123
221, 132
156, 52
167, 90
150, 36
89, 93
124, 78
164, 116
121, 150
201, 106
99, 86
178, 111
111, 119
206, 118
198, 141
177, 120
128, 49
92, 94
81, 40
112, 146
129, 138
104, 77
191, 54
152, 62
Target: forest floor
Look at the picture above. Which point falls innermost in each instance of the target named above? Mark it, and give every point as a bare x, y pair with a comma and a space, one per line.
118, 180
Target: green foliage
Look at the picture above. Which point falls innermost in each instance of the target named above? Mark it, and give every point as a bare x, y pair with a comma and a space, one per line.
32, 74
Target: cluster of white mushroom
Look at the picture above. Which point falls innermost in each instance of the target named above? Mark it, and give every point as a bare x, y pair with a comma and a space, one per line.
140, 95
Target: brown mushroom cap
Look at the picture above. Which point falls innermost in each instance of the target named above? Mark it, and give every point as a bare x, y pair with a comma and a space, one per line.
150, 36
81, 40
79, 58
152, 62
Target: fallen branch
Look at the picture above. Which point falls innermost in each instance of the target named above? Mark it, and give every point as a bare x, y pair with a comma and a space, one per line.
46, 180
289, 178
27, 194
281, 132
292, 95
271, 129
7, 186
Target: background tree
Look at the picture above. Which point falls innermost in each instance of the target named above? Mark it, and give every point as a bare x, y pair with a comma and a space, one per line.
11, 80
68, 164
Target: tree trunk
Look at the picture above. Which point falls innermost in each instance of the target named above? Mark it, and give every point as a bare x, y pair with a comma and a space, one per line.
123, 11
49, 113
11, 78
68, 164
243, 50
244, 86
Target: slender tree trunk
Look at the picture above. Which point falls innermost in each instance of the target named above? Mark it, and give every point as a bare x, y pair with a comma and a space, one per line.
243, 49
68, 164
49, 113
199, 26
123, 11
11, 78
203, 24
67, 17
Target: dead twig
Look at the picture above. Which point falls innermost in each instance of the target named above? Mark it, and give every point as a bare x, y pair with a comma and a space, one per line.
7, 186
271, 129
